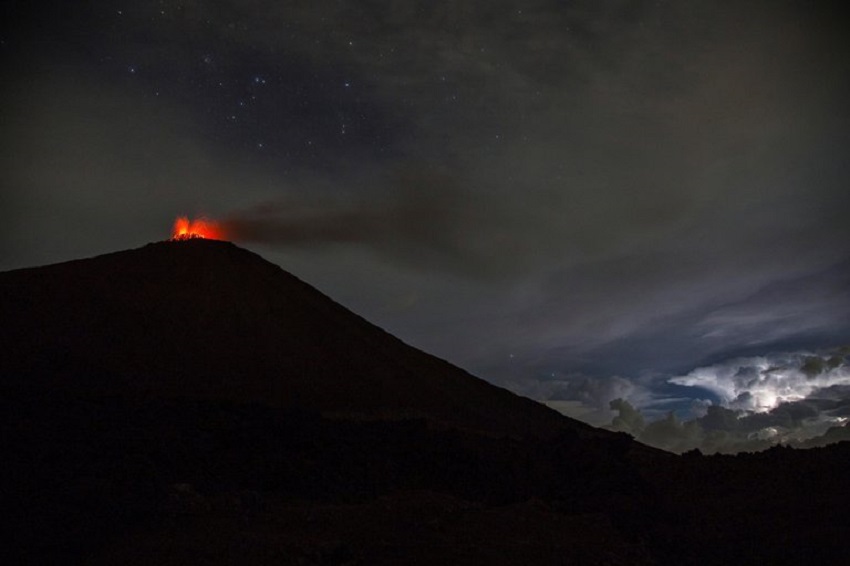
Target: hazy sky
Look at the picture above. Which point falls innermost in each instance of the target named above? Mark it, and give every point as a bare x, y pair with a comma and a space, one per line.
578, 200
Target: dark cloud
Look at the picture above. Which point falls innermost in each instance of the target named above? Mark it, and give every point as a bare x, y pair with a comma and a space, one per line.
628, 418
593, 391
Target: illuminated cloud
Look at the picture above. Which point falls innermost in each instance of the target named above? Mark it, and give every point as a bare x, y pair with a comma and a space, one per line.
762, 383
800, 399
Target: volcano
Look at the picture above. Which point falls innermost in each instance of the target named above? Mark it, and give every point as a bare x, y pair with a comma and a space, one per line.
201, 318
189, 402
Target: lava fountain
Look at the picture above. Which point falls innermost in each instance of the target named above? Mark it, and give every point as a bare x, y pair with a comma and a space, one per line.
185, 229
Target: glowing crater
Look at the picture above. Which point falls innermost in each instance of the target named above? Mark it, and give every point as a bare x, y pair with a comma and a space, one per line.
200, 228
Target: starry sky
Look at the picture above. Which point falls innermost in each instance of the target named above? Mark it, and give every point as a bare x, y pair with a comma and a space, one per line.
580, 201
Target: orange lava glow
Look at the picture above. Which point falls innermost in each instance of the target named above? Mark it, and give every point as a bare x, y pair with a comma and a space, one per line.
185, 229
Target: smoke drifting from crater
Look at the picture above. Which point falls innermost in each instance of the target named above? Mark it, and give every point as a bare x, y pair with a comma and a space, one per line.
414, 230
420, 219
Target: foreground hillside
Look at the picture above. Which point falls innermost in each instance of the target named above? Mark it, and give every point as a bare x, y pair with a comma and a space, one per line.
211, 481
112, 481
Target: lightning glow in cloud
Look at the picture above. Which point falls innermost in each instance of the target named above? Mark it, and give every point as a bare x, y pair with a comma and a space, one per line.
761, 383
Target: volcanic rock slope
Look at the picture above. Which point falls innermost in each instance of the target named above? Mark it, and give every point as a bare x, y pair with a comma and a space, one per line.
204, 318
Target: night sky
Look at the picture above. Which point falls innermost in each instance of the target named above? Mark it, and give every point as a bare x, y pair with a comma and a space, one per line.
580, 201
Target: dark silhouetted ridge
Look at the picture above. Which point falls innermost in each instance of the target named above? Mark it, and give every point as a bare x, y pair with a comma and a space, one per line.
204, 318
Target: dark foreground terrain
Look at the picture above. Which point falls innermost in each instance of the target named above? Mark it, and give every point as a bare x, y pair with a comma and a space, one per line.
110, 481
189, 403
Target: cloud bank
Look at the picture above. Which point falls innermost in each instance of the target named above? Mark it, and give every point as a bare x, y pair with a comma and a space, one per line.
800, 399
763, 383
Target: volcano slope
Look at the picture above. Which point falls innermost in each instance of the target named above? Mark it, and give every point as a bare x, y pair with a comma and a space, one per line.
191, 403
205, 319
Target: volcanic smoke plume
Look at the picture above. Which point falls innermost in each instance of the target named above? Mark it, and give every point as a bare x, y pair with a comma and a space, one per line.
429, 221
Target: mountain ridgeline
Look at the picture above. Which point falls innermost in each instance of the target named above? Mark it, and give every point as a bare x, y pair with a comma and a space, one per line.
206, 319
